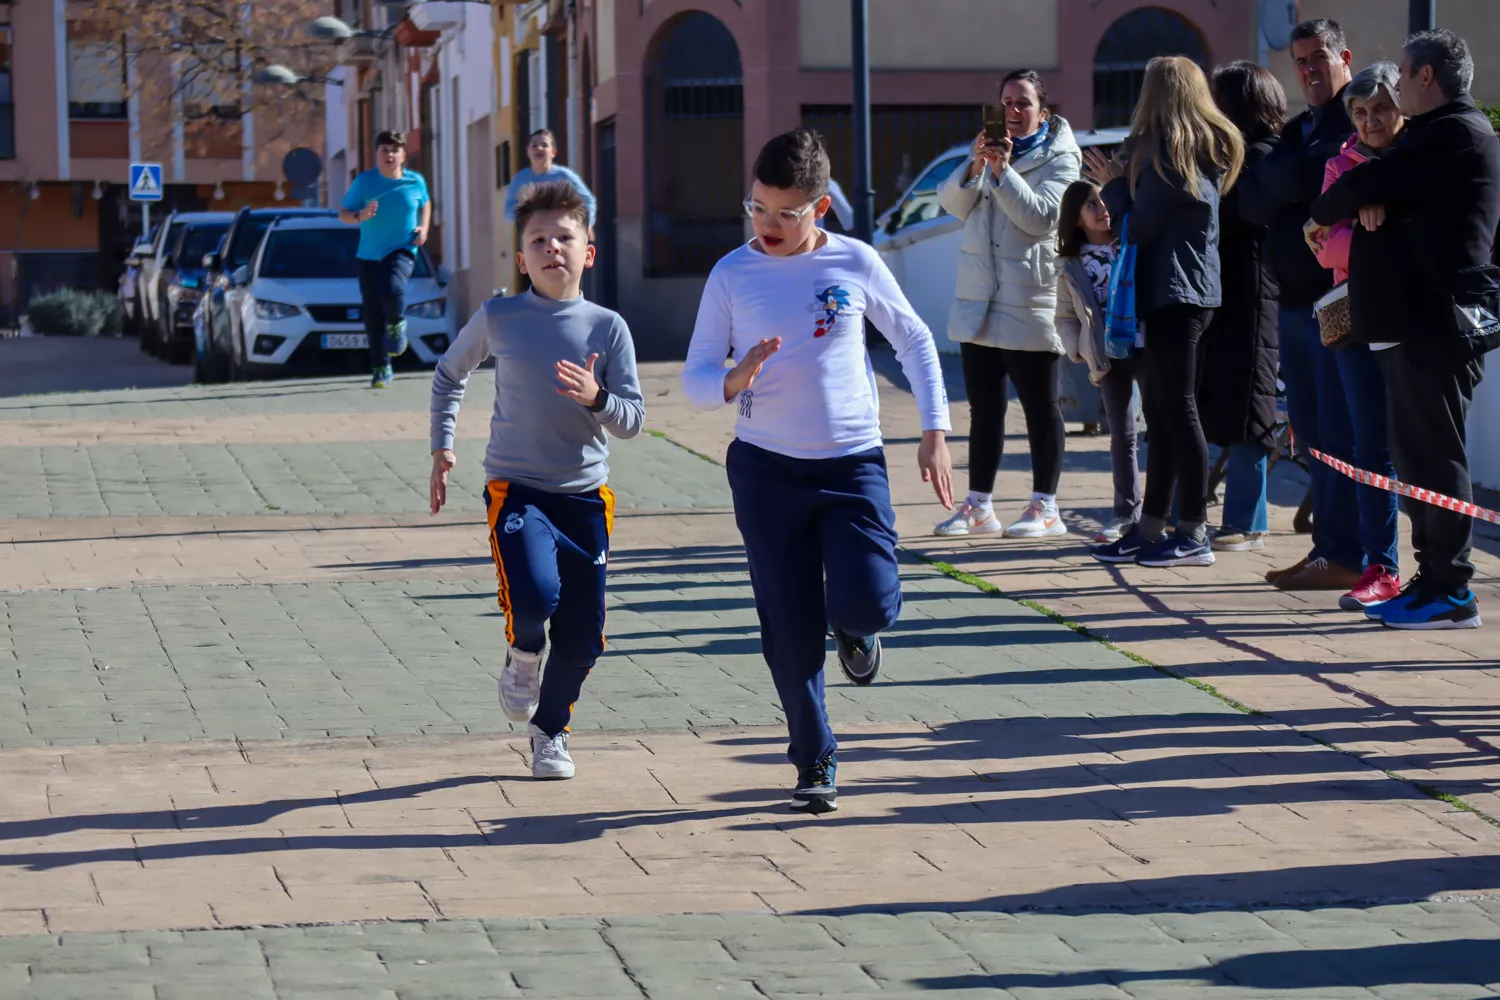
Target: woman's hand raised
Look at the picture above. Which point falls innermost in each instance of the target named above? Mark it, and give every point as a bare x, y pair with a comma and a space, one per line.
1100, 168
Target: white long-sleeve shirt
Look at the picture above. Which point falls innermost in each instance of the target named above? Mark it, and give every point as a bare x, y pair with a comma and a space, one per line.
816, 397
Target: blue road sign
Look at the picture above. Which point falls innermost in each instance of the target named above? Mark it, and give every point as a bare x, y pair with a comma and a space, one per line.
145, 182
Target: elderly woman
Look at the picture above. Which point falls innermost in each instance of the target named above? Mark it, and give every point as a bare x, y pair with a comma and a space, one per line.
1009, 196
1364, 258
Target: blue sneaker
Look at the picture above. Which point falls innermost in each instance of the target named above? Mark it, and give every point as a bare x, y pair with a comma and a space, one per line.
395, 338
1123, 550
1429, 610
816, 791
1175, 550
382, 377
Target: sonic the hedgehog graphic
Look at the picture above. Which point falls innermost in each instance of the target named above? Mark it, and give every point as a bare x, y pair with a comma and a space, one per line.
832, 302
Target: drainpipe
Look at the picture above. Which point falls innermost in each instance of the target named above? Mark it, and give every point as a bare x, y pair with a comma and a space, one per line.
575, 112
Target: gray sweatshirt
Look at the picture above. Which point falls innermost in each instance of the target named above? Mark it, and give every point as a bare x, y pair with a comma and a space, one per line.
538, 436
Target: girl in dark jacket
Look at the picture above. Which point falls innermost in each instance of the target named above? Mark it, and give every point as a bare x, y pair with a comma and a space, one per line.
1182, 154
1237, 390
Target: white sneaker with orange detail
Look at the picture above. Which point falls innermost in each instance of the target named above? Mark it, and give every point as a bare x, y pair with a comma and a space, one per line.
1038, 520
969, 519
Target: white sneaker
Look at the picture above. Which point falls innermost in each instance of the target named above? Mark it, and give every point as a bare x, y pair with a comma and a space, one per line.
520, 684
1037, 521
550, 760
1114, 530
969, 520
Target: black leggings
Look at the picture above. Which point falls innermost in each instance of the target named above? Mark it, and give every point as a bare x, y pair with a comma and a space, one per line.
1034, 374
1178, 455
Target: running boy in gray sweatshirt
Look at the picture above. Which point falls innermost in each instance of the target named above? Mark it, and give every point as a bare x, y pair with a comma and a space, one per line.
564, 375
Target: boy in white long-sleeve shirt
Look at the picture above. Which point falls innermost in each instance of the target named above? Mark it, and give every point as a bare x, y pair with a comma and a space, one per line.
807, 468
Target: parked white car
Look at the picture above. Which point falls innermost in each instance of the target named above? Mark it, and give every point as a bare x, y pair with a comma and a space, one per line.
298, 304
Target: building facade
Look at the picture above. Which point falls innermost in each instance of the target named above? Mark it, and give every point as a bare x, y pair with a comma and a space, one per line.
662, 104
90, 111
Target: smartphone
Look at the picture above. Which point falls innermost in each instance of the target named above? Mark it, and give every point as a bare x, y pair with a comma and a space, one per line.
994, 122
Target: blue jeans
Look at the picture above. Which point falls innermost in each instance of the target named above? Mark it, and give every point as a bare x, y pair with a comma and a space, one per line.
1320, 419
1364, 389
1245, 488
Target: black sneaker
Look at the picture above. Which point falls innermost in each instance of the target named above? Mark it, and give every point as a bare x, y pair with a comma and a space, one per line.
1123, 551
859, 656
815, 792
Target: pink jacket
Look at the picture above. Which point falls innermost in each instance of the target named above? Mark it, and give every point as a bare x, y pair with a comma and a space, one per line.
1335, 252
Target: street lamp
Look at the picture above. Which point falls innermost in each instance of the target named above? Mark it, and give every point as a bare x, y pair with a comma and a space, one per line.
1422, 15
278, 74
864, 192
331, 29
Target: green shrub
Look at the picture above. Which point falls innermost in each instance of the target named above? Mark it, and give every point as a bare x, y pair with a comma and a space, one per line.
73, 313
1493, 111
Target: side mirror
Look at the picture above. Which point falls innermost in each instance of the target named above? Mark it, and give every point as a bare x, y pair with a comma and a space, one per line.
444, 276
241, 276
211, 261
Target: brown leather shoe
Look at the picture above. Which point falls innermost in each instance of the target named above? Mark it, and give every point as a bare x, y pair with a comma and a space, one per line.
1320, 574
1275, 575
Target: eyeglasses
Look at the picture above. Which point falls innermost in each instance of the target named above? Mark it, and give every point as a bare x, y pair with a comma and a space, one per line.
786, 217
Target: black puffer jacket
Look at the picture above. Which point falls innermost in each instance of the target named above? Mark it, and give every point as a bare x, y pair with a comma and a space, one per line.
1440, 185
1279, 194
1237, 391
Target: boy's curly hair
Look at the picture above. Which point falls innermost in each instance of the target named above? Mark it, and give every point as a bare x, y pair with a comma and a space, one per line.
551, 196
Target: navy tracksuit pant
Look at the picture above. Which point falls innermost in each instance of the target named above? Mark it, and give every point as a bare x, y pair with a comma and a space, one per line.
550, 551
820, 538
382, 299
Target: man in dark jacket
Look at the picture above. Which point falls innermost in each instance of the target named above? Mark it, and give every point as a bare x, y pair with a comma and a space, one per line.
1439, 187
1279, 194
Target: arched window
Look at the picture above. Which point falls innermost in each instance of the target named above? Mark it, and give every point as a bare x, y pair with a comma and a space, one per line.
1130, 43
695, 142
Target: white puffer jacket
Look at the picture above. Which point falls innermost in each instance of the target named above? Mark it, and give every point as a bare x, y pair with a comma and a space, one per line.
1006, 294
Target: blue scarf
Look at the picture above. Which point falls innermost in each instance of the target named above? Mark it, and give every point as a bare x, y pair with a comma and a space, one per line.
1025, 144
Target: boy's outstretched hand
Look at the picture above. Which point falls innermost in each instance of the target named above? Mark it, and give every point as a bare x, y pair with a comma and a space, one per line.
578, 384
742, 376
936, 465
442, 461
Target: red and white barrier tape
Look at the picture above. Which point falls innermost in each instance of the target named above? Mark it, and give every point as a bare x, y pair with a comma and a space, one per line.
1402, 489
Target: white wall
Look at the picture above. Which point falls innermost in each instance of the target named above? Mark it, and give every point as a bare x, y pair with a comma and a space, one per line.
1484, 431
336, 135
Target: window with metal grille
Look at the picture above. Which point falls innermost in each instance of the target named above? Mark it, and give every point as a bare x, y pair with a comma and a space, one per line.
1130, 43
695, 141
903, 140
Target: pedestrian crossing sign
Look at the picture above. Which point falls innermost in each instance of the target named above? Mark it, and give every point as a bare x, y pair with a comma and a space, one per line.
145, 182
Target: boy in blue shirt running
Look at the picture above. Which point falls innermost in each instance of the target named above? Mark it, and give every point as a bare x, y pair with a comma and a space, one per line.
391, 206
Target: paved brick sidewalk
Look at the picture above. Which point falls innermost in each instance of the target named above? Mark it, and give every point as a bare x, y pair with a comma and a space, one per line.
297, 727
962, 956
1421, 704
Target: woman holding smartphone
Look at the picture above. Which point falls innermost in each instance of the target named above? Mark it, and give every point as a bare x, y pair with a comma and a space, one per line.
1009, 196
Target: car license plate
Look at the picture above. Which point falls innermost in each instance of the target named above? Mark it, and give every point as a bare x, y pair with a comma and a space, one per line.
346, 341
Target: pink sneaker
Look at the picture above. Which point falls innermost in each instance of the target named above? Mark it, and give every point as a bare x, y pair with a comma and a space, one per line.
1376, 585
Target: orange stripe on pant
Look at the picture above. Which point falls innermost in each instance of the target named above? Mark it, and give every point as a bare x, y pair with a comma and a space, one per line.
498, 490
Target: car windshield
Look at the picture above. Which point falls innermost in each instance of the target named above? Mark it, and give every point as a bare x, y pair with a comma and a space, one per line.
921, 203
247, 237
173, 231
201, 240
319, 253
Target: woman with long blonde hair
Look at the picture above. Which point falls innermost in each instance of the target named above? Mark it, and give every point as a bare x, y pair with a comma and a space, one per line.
1182, 154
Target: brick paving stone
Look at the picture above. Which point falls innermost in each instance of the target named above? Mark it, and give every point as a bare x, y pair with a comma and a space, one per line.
166, 664
595, 958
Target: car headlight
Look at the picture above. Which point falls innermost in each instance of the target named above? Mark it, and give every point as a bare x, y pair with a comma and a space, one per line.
266, 309
432, 309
